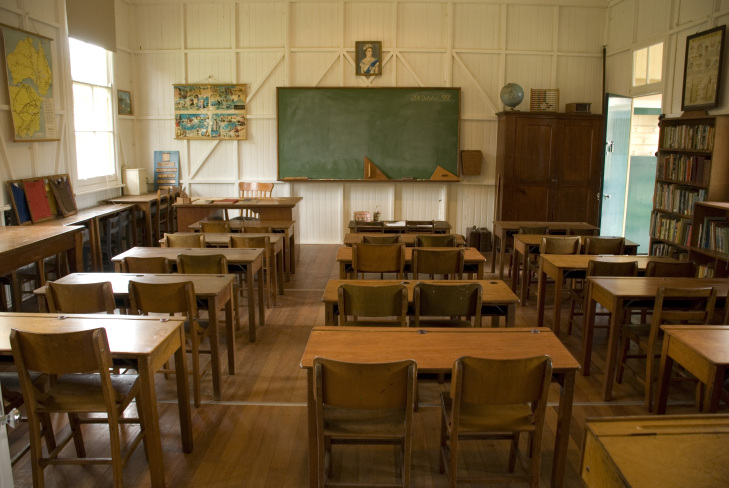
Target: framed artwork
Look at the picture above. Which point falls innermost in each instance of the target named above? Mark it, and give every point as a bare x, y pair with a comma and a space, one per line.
29, 66
210, 111
124, 102
367, 58
702, 69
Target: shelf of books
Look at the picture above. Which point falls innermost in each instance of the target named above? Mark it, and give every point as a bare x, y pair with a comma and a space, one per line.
692, 167
710, 245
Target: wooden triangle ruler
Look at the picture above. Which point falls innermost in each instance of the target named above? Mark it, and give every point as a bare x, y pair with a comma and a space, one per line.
441, 174
372, 172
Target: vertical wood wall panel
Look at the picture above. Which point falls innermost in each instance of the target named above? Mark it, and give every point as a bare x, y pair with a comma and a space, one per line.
258, 154
420, 201
368, 22
369, 197
422, 64
320, 219
621, 23
482, 72
577, 32
208, 26
477, 26
124, 37
653, 19
530, 71
315, 24
574, 89
477, 134
158, 26
219, 164
44, 10
154, 75
265, 69
529, 28
201, 66
259, 25
691, 10
617, 69
422, 25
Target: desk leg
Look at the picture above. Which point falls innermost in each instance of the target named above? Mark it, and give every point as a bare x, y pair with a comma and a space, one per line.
502, 256
557, 303
95, 244
342, 270
713, 389
479, 271
292, 246
329, 318
510, 315
588, 330
148, 225
280, 272
541, 295
612, 352
261, 298
515, 271
311, 415
564, 416
251, 303
150, 417
230, 330
493, 253
183, 395
214, 347
664, 376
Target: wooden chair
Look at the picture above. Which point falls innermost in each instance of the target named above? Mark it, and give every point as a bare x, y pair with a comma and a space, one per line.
419, 226
454, 305
685, 269
604, 245
435, 240
495, 399
533, 230
597, 268
551, 245
378, 258
364, 404
248, 189
207, 264
162, 220
263, 242
384, 239
447, 262
194, 241
673, 305
158, 265
257, 229
83, 385
217, 226
381, 305
80, 297
170, 299
365, 226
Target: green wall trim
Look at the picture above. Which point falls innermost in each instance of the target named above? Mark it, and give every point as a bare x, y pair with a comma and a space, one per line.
646, 111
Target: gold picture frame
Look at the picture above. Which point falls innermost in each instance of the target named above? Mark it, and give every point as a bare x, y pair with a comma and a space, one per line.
124, 102
368, 63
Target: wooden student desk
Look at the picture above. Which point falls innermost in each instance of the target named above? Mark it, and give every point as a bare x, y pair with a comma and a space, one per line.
704, 351
407, 239
398, 227
216, 290
615, 294
503, 229
667, 452
252, 259
497, 300
143, 203
472, 258
146, 340
556, 266
24, 245
435, 351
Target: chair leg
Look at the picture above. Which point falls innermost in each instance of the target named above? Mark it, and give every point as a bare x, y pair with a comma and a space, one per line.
78, 439
116, 458
513, 451
443, 443
572, 316
622, 354
196, 368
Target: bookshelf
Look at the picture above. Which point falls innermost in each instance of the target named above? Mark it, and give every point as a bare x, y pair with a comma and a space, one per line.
692, 167
710, 243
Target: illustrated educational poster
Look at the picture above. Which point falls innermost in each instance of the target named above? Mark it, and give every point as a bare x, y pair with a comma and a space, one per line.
211, 111
30, 85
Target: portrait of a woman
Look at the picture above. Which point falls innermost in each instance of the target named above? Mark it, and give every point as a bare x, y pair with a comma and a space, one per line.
368, 58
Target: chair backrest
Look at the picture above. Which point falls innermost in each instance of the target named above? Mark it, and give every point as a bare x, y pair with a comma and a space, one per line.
438, 261
609, 268
253, 189
80, 297
560, 245
378, 258
680, 306
131, 264
185, 240
671, 270
202, 264
164, 298
257, 229
219, 226
604, 245
420, 226
365, 226
435, 240
533, 230
163, 210
384, 239
448, 300
372, 301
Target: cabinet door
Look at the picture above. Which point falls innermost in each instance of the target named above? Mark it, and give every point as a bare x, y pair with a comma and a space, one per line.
578, 170
534, 168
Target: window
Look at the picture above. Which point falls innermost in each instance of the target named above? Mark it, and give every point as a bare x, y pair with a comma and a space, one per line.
648, 65
92, 108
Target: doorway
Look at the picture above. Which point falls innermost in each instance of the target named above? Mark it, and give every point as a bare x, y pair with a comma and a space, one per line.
631, 142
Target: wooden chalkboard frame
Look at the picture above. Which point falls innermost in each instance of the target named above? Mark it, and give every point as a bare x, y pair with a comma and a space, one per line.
397, 133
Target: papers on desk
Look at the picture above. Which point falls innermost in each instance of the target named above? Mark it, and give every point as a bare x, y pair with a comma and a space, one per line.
399, 223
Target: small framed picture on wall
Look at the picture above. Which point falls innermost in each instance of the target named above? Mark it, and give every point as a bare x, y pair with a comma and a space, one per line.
124, 102
702, 69
368, 55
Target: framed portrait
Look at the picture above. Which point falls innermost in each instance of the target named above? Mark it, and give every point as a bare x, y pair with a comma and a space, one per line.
124, 102
367, 58
702, 69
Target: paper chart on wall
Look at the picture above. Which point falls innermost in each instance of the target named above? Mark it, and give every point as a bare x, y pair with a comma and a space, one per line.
210, 111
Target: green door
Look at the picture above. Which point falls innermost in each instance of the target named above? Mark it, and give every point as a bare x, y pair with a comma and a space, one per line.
615, 173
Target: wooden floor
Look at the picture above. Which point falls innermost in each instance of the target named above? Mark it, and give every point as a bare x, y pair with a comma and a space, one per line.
257, 436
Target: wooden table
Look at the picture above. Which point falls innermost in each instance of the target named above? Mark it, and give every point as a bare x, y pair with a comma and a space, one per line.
407, 239
148, 341
524, 244
143, 203
398, 226
24, 245
497, 300
472, 258
557, 266
614, 294
670, 452
90, 218
216, 290
435, 351
220, 240
503, 229
252, 259
703, 350
285, 227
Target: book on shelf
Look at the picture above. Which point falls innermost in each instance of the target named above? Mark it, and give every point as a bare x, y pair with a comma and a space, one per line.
698, 137
684, 168
705, 271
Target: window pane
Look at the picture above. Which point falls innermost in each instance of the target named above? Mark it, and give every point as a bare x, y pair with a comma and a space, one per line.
655, 63
83, 107
88, 63
640, 67
102, 109
94, 154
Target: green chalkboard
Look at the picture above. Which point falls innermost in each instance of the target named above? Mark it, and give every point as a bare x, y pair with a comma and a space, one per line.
326, 133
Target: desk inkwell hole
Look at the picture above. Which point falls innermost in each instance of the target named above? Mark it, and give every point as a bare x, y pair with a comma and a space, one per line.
422, 331
535, 331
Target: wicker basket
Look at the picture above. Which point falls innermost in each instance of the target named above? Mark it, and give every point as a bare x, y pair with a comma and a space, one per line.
363, 216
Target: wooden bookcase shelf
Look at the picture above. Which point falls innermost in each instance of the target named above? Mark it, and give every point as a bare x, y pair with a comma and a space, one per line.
692, 167
710, 243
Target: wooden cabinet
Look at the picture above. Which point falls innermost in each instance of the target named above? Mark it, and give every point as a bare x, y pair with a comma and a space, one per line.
692, 167
549, 166
710, 239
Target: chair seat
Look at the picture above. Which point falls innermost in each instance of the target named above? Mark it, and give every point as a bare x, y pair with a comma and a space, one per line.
445, 322
83, 393
490, 418
363, 423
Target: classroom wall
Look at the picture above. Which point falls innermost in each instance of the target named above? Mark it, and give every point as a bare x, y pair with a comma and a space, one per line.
478, 46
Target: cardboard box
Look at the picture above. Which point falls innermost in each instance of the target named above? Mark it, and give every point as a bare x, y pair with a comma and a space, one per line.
135, 180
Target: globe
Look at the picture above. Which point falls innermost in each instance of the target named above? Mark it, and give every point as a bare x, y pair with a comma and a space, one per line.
512, 95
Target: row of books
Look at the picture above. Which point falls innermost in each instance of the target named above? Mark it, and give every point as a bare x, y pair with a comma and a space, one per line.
677, 199
697, 137
669, 251
705, 271
670, 229
687, 169
714, 234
